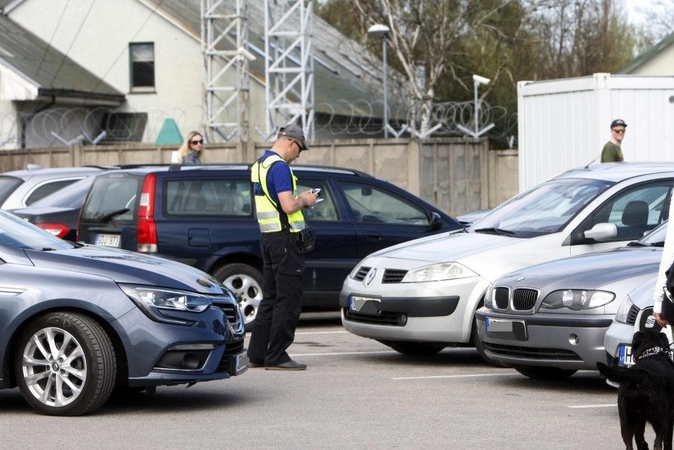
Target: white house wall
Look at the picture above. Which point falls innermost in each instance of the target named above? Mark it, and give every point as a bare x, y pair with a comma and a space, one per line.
564, 124
96, 34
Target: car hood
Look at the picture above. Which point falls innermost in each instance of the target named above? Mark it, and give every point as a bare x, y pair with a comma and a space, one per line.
588, 271
446, 247
127, 267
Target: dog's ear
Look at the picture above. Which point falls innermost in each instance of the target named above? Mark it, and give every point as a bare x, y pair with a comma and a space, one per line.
638, 338
663, 340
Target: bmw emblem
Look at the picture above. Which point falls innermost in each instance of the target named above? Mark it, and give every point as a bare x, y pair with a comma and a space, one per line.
370, 276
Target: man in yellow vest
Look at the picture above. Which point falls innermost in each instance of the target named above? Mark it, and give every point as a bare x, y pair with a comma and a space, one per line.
279, 214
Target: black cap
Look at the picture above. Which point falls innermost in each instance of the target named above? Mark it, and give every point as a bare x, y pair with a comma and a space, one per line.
618, 123
295, 132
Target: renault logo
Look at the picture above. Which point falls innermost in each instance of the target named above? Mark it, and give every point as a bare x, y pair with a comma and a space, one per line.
370, 276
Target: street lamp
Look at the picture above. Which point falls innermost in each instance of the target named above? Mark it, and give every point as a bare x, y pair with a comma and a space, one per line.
381, 31
477, 80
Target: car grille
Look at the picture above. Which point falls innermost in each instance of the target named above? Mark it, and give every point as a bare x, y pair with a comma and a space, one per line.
524, 299
532, 352
383, 318
360, 275
392, 276
501, 297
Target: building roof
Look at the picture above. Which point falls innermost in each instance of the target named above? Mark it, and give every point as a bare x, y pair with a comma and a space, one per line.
47, 71
347, 78
648, 54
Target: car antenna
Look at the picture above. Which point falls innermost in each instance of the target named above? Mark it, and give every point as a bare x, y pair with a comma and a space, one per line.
588, 164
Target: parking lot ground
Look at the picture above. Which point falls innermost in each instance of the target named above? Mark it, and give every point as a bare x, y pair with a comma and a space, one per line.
356, 393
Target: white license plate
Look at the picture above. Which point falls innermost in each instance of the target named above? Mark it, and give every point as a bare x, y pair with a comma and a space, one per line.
499, 325
626, 355
356, 302
240, 363
109, 240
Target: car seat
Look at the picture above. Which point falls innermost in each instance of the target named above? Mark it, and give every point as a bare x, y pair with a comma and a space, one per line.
635, 218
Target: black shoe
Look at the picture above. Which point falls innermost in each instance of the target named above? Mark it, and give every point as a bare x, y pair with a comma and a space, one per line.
290, 365
253, 365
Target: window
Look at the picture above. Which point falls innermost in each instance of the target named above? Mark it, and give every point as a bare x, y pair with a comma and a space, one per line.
208, 198
374, 205
142, 66
323, 211
47, 188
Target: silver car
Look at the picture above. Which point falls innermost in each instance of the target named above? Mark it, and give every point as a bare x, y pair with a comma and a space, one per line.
549, 320
421, 296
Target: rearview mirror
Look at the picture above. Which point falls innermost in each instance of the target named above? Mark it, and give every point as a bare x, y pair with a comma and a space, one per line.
602, 232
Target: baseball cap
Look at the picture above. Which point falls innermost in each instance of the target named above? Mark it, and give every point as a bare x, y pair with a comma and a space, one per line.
618, 123
295, 132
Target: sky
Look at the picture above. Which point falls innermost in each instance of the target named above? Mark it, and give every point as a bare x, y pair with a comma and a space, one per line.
632, 5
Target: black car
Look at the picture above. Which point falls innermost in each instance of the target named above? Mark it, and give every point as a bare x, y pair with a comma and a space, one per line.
204, 216
58, 212
79, 320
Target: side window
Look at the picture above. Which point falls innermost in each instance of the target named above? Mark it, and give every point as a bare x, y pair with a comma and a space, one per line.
45, 189
112, 195
637, 211
372, 204
208, 197
141, 56
325, 210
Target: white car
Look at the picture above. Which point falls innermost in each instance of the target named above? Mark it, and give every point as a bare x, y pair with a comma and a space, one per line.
421, 296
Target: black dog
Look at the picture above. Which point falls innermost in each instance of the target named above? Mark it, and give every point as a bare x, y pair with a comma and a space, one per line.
646, 391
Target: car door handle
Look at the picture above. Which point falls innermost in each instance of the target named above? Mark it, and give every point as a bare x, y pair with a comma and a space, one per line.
373, 237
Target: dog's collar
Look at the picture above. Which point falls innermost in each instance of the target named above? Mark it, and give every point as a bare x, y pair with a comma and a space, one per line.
651, 352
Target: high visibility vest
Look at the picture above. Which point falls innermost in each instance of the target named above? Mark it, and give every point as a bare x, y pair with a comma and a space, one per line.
268, 212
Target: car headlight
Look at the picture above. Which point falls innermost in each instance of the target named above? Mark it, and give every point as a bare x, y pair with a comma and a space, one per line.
624, 310
577, 299
489, 297
155, 301
438, 272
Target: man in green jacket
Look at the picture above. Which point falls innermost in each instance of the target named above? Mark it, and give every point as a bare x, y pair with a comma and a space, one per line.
611, 151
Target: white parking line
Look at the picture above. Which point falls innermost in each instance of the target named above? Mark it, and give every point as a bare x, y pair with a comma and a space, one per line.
613, 405
474, 375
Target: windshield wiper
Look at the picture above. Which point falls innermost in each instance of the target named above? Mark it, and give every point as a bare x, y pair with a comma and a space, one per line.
652, 244
110, 215
497, 231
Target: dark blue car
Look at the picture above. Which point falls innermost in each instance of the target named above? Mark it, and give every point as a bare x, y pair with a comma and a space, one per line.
79, 320
204, 216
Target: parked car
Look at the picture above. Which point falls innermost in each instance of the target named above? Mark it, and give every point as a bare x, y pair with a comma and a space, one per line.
549, 320
78, 320
421, 296
204, 216
21, 188
635, 313
58, 212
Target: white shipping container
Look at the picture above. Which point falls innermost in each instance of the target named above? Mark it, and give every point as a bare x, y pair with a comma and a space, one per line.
564, 123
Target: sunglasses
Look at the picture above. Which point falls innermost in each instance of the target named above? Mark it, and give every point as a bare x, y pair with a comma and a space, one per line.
619, 131
298, 145
196, 142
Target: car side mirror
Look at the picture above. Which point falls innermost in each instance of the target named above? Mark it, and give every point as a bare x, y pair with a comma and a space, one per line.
602, 232
434, 221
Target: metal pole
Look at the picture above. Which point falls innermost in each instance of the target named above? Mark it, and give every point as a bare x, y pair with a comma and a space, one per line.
477, 107
383, 40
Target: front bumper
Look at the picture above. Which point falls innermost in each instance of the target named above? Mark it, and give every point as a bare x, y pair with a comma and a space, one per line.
563, 341
165, 354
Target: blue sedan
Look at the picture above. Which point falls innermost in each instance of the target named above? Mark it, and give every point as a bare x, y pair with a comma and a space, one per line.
79, 320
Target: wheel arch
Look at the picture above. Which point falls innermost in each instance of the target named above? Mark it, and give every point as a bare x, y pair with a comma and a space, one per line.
236, 258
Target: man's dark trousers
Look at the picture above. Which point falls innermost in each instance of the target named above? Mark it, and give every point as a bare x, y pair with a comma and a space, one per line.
279, 310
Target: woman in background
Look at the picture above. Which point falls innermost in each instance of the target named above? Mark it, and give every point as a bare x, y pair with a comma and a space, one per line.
190, 151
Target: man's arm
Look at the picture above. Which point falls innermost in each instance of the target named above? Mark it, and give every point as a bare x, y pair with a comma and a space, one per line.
291, 204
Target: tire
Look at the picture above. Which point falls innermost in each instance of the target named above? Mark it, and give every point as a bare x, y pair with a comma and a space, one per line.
479, 346
545, 373
65, 364
246, 284
414, 348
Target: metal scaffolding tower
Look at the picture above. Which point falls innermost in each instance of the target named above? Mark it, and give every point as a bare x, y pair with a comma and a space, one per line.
289, 80
224, 40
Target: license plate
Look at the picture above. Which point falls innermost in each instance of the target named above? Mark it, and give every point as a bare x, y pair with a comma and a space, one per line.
356, 302
626, 355
239, 364
109, 240
506, 329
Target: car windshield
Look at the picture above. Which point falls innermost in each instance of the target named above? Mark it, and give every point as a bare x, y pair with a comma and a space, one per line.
17, 233
544, 209
71, 196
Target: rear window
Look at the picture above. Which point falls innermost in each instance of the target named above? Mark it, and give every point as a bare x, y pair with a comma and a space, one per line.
71, 196
112, 197
208, 197
7, 186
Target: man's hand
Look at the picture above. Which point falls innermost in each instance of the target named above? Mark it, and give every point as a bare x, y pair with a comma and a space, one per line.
309, 198
660, 320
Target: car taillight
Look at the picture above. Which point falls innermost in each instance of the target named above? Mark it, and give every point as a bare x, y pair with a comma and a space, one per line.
147, 229
57, 229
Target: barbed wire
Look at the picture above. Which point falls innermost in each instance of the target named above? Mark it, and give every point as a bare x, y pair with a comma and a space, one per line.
70, 126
